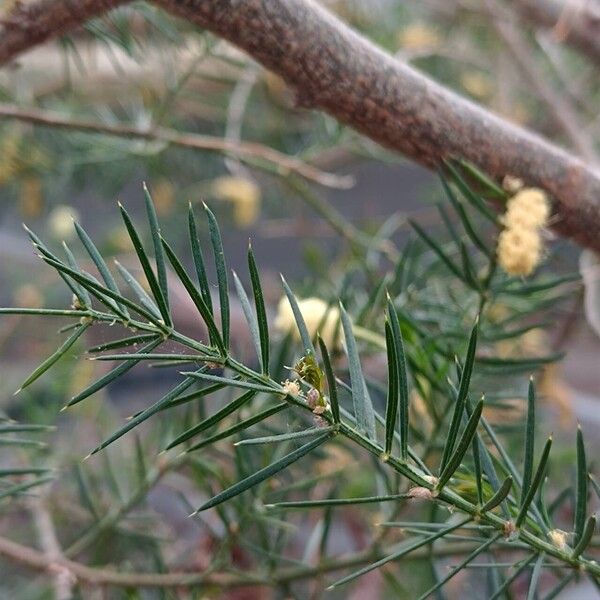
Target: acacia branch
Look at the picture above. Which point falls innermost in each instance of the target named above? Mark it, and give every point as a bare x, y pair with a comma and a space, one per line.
334, 69
98, 576
282, 163
29, 24
574, 23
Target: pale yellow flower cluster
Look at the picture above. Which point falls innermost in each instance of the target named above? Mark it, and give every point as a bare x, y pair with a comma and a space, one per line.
318, 316
244, 195
520, 243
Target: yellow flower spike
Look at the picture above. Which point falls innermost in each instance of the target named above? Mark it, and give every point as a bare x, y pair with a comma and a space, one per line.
520, 244
244, 195
519, 250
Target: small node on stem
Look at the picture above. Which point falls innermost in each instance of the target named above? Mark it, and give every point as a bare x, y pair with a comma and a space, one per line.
420, 493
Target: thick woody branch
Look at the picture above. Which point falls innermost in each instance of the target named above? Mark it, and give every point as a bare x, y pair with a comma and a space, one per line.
333, 69
29, 24
574, 23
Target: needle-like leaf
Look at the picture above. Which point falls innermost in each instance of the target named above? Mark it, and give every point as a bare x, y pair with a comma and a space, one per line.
535, 577
405, 549
80, 292
196, 297
265, 473
303, 504
456, 458
161, 270
221, 268
363, 407
463, 563
261, 313
463, 390
438, 250
213, 419
391, 411
99, 262
250, 316
113, 374
284, 437
331, 384
199, 260
138, 290
529, 441
133, 340
537, 480
581, 496
146, 267
499, 496
585, 538
241, 426
300, 323
54, 357
145, 414
402, 377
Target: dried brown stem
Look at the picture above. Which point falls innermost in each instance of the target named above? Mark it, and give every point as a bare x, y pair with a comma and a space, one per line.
95, 576
282, 163
574, 23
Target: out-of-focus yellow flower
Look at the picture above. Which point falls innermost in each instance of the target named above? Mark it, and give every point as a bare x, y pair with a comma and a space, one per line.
520, 244
163, 195
528, 208
477, 84
418, 36
318, 316
31, 200
519, 250
512, 184
119, 239
60, 221
28, 296
243, 194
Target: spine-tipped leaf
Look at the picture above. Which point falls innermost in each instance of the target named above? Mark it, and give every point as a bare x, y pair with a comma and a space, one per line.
221, 268
261, 313
465, 381
161, 270
402, 377
300, 323
363, 408
499, 496
265, 473
54, 357
391, 412
146, 267
199, 260
581, 497
99, 262
456, 458
196, 297
331, 384
586, 537
535, 484
529, 441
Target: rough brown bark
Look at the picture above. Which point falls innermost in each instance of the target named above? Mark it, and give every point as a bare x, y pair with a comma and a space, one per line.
32, 23
575, 23
333, 69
